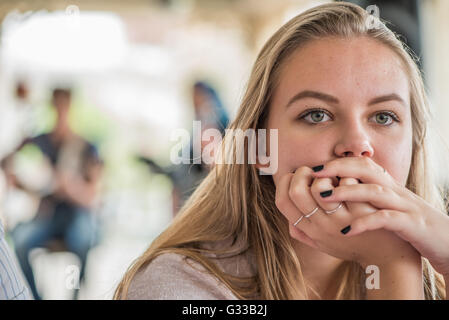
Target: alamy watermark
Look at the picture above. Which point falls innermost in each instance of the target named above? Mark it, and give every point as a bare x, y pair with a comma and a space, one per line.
229, 150
72, 280
372, 20
373, 280
72, 15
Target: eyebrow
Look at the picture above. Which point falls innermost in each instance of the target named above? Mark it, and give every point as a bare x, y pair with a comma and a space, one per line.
331, 99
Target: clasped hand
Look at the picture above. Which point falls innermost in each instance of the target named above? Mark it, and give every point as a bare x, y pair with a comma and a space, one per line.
388, 222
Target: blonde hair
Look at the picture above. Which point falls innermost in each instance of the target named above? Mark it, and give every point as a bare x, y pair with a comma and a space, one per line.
235, 201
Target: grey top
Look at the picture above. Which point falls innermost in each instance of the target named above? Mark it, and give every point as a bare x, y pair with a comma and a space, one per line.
12, 286
172, 276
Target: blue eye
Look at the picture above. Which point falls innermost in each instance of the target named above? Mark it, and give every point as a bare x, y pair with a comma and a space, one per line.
386, 118
314, 116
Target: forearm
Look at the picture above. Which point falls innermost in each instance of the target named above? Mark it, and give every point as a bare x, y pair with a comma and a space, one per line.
78, 190
401, 280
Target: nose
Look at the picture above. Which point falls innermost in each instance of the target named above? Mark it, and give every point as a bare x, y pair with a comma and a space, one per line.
354, 141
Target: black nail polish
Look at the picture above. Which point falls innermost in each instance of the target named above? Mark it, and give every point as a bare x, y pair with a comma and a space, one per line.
338, 178
318, 168
345, 230
325, 194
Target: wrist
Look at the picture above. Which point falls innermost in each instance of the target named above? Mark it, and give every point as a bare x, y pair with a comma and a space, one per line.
392, 263
402, 281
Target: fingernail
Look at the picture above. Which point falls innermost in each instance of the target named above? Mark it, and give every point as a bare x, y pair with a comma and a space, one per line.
318, 168
325, 194
345, 230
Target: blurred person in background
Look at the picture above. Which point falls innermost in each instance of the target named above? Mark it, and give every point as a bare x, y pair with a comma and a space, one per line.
25, 111
208, 107
18, 120
65, 209
209, 110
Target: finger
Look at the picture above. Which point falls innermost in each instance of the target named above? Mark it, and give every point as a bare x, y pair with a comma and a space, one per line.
320, 187
376, 195
362, 168
347, 181
284, 203
357, 209
300, 194
391, 220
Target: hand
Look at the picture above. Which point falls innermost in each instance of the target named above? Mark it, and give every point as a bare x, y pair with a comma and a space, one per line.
358, 209
400, 210
299, 193
61, 184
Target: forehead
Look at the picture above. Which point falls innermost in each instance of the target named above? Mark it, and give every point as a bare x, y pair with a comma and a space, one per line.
355, 68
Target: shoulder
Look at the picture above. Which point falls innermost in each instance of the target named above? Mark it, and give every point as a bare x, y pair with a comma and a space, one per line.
172, 276
40, 140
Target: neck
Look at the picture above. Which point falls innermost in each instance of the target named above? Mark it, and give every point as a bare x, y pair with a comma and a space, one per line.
319, 270
61, 132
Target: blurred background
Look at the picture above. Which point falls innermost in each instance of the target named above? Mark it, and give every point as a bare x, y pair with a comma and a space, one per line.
90, 94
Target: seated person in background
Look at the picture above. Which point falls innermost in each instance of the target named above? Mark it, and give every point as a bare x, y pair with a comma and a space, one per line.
64, 213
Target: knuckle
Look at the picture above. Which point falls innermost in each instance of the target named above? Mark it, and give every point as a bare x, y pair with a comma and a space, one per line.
348, 181
395, 197
377, 189
384, 214
295, 192
304, 170
279, 201
423, 222
321, 184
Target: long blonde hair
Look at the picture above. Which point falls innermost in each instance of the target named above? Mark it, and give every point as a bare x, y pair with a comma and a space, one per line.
234, 200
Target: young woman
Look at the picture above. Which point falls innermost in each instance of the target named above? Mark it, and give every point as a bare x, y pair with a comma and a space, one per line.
350, 109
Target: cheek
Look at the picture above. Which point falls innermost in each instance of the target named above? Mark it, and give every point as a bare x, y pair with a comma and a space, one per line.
296, 150
404, 155
403, 165
396, 159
